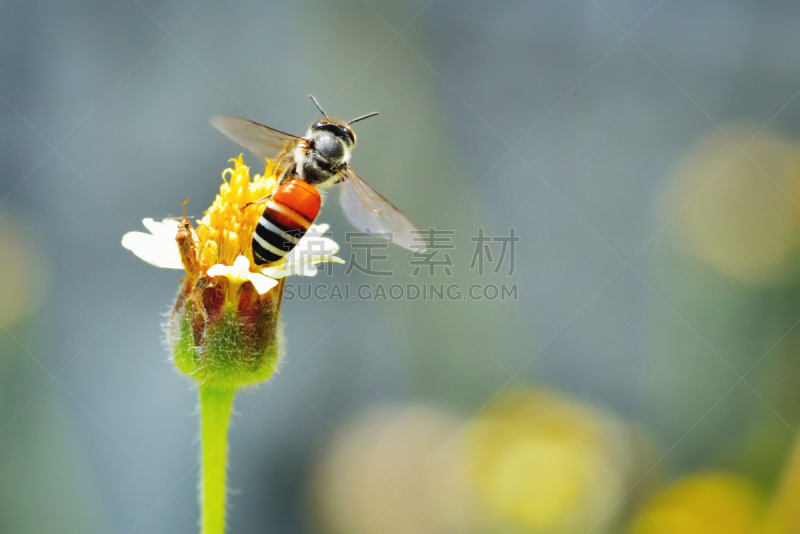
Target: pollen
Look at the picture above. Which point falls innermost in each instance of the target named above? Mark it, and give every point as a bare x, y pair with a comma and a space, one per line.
224, 233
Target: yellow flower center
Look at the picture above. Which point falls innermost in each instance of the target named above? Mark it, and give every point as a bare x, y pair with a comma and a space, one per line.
226, 230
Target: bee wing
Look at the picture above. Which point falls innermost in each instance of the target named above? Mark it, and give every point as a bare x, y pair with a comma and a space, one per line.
367, 209
263, 141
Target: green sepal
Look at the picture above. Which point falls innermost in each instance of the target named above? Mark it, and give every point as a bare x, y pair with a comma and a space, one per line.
233, 345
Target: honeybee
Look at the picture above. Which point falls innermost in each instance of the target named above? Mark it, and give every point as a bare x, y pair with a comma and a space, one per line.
304, 165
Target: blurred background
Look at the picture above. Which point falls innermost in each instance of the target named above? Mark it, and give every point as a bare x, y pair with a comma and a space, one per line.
646, 154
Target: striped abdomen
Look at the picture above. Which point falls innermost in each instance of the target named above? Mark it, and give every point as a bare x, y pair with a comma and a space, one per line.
286, 218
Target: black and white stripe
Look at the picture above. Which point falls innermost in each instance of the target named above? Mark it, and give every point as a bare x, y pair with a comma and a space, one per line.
271, 242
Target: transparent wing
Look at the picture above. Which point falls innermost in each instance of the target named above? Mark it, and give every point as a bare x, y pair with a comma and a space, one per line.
367, 209
263, 141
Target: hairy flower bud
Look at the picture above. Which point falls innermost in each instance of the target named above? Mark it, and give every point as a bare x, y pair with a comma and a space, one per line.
221, 341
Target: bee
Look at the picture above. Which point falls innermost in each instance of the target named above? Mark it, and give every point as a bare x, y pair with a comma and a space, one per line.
304, 165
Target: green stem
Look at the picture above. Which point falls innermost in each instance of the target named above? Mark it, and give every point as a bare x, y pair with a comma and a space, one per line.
215, 407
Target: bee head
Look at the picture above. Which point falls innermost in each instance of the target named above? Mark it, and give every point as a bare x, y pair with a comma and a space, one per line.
333, 139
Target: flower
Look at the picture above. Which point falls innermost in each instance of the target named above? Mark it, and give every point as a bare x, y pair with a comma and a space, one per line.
159, 248
224, 235
224, 326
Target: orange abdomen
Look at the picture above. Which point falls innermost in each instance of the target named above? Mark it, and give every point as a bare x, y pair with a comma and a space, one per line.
287, 216
300, 197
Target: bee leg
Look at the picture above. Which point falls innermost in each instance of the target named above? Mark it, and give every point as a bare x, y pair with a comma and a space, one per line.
259, 201
288, 173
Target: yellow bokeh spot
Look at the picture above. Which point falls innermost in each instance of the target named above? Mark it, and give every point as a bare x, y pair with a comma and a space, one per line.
23, 276
539, 461
713, 503
739, 210
783, 515
544, 471
225, 231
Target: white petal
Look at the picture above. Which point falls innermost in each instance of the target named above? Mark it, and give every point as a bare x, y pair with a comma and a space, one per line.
318, 229
219, 270
303, 266
160, 250
276, 271
321, 245
312, 249
166, 228
239, 271
241, 268
262, 283
306, 269
315, 246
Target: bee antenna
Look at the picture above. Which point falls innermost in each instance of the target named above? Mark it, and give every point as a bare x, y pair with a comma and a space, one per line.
362, 117
183, 208
316, 103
